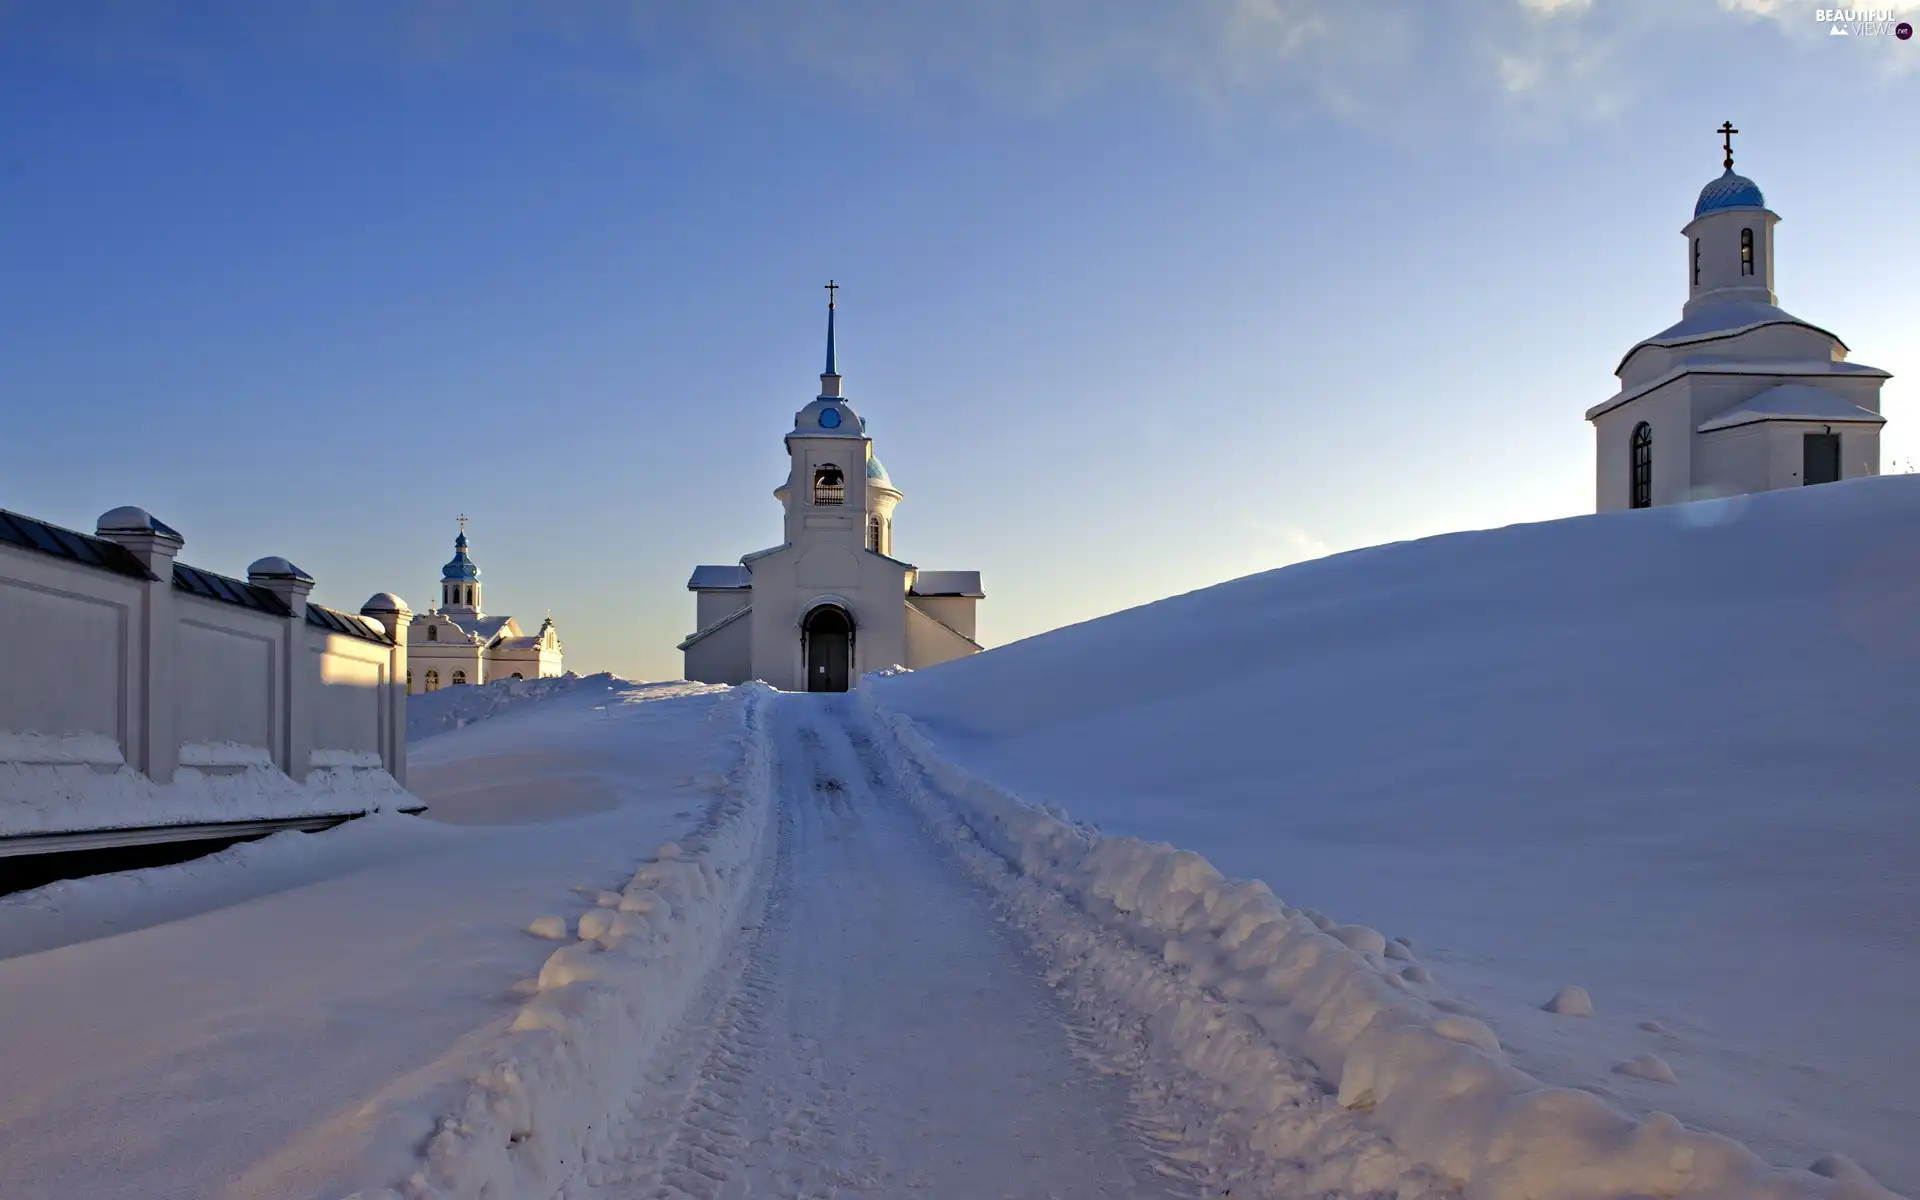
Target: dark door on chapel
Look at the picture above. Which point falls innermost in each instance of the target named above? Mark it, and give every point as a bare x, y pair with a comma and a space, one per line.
1820, 458
829, 650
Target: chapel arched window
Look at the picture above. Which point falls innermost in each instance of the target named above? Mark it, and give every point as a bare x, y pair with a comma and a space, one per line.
829, 485
1643, 465
433, 681
1696, 262
459, 677
873, 535
433, 633
1746, 251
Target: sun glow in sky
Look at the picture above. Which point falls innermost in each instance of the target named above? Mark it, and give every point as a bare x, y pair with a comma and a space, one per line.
1136, 297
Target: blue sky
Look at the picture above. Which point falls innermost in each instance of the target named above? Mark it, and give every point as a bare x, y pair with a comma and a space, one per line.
1136, 297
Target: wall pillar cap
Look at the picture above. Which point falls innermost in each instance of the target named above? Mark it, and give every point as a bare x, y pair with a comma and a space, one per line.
275, 567
129, 519
381, 603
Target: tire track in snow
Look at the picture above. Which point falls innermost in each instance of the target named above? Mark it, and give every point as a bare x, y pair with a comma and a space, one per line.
877, 1034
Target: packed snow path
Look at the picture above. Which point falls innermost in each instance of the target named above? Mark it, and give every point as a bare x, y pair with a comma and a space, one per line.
874, 1030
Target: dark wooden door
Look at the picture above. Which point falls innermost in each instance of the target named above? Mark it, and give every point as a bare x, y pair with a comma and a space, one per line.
1821, 458
829, 650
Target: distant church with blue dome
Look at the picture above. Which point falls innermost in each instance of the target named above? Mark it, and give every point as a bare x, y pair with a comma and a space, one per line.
833, 600
1739, 395
457, 642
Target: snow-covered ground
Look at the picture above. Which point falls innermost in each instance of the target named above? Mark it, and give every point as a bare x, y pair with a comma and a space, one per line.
679, 941
1665, 756
219, 1027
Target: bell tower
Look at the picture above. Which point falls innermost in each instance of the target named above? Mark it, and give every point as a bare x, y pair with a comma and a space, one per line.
1730, 239
460, 579
835, 488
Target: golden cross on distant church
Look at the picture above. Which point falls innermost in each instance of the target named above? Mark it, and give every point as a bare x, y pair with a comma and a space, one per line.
1726, 132
832, 287
463, 522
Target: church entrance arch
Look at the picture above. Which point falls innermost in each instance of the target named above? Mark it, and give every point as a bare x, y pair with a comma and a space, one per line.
827, 637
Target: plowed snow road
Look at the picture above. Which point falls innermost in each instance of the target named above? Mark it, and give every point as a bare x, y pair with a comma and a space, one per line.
874, 1031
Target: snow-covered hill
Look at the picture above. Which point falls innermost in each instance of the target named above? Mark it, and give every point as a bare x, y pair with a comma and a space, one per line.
1669, 756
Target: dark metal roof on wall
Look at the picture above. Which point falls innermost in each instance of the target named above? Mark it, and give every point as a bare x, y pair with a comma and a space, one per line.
334, 621
28, 533
209, 586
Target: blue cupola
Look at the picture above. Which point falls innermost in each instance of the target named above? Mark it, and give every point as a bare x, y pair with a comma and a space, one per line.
460, 578
461, 567
1729, 191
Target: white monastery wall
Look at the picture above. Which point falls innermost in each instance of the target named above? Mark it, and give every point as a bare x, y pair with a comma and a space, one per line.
67, 655
136, 702
223, 675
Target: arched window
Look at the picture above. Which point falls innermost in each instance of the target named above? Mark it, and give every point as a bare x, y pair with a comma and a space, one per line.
433, 633
1746, 251
433, 681
517, 675
459, 677
1696, 262
829, 485
1643, 465
873, 534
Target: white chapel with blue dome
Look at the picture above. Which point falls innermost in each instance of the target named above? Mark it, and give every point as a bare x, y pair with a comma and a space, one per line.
832, 601
458, 642
1740, 395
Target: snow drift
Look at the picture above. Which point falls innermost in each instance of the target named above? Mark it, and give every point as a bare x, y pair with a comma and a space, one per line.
454, 707
1256, 982
1658, 754
601, 1001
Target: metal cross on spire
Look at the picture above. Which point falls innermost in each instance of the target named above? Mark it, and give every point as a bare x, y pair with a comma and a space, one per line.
832, 368
463, 522
1726, 132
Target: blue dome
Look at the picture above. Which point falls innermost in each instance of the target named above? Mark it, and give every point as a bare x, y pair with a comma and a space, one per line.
1729, 191
876, 472
460, 567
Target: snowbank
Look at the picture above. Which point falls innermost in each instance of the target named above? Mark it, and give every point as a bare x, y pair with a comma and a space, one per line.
1235, 984
601, 1002
453, 707
92, 788
1665, 756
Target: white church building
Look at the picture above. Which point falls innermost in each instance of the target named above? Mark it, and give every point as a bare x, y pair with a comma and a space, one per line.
1739, 395
460, 643
831, 601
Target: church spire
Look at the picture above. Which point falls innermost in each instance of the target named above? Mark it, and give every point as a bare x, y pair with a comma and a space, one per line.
830, 378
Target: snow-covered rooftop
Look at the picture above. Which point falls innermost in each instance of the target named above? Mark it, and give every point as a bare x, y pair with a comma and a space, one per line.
947, 583
711, 578
1792, 402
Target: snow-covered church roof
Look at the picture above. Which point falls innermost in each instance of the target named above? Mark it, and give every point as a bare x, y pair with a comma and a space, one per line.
1792, 402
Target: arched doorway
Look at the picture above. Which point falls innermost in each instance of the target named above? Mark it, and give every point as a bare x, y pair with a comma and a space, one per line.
827, 634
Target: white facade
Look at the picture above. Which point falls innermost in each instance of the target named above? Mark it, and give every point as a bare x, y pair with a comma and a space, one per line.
147, 695
458, 643
1739, 396
830, 602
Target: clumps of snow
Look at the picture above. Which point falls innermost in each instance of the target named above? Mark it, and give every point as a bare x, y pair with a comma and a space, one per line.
1650, 1067
1570, 1001
1653, 1027
1267, 1009
91, 787
1359, 937
601, 1004
554, 929
1399, 951
453, 707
